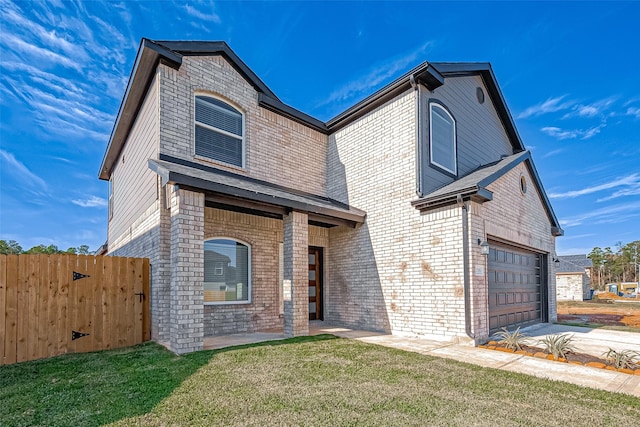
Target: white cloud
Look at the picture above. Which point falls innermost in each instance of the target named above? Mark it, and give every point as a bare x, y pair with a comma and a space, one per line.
91, 202
205, 16
632, 190
553, 153
551, 105
18, 169
381, 73
614, 213
561, 134
633, 111
595, 109
632, 180
39, 53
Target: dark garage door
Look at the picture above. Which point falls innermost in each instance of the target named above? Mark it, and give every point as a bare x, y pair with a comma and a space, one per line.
515, 287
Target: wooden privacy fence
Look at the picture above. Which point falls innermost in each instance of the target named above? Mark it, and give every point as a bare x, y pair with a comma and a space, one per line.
56, 304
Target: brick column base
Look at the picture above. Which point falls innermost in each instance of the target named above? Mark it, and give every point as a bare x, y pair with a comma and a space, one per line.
187, 271
296, 274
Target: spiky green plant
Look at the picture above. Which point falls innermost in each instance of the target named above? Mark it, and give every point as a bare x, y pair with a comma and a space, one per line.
627, 359
558, 345
512, 340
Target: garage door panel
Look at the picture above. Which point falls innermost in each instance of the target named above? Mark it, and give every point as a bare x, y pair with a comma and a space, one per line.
514, 287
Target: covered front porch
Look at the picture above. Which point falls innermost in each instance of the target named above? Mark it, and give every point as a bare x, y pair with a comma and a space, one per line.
277, 229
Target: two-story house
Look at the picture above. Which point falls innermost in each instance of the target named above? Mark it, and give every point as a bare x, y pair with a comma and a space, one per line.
416, 211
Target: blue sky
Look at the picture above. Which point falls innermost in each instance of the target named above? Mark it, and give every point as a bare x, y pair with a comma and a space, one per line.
570, 73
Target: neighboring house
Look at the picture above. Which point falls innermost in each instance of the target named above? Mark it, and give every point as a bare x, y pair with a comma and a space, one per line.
573, 278
373, 220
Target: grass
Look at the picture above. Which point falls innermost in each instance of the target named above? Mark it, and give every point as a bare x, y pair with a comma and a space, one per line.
305, 381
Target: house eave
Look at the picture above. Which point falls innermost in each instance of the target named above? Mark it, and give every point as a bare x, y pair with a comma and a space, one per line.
425, 74
474, 194
250, 193
289, 112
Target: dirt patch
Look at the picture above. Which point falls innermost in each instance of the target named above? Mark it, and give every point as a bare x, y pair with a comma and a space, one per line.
617, 314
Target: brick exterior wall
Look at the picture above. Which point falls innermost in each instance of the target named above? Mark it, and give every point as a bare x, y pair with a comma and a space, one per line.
402, 271
278, 150
512, 217
187, 271
573, 286
263, 235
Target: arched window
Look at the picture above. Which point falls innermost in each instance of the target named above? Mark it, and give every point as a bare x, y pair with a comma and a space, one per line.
442, 138
227, 271
219, 131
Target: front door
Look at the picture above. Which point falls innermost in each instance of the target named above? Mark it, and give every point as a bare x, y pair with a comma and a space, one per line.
315, 283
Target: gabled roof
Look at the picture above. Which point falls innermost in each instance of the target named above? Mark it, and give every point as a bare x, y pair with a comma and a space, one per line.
151, 53
473, 186
484, 70
573, 263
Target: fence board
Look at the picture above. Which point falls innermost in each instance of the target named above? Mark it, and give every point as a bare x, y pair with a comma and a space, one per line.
34, 314
52, 308
11, 307
63, 336
22, 334
42, 297
3, 298
41, 304
107, 296
146, 308
97, 303
122, 300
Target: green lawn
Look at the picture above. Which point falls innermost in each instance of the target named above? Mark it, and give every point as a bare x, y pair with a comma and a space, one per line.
306, 381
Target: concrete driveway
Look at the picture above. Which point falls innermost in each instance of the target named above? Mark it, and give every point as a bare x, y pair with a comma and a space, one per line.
586, 340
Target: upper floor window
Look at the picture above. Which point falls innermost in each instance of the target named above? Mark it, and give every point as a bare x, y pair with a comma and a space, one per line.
227, 267
442, 138
219, 131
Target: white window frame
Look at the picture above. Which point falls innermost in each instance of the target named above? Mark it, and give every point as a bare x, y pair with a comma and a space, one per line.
218, 268
249, 271
221, 131
454, 142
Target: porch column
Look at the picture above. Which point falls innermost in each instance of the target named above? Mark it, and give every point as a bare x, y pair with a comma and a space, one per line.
187, 270
296, 274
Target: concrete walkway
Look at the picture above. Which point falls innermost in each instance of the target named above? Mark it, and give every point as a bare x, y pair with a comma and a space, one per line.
591, 341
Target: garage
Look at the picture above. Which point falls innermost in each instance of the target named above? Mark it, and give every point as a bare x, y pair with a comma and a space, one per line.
516, 288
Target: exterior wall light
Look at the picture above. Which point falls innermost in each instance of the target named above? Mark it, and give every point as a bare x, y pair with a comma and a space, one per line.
484, 247
557, 261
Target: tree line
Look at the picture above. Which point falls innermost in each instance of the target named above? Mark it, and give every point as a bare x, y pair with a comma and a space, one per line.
613, 266
12, 247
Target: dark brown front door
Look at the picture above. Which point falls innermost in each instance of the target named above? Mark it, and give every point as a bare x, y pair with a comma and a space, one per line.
315, 283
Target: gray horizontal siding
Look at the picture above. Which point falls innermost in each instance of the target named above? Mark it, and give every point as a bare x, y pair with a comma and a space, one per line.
134, 184
481, 138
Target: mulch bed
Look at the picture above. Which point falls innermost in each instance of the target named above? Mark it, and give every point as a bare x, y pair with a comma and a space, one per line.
573, 358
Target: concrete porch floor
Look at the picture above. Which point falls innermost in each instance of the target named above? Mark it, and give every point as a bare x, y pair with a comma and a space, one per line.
315, 328
575, 374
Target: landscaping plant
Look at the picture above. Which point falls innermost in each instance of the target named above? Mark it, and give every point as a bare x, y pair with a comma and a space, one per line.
558, 345
512, 340
625, 359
